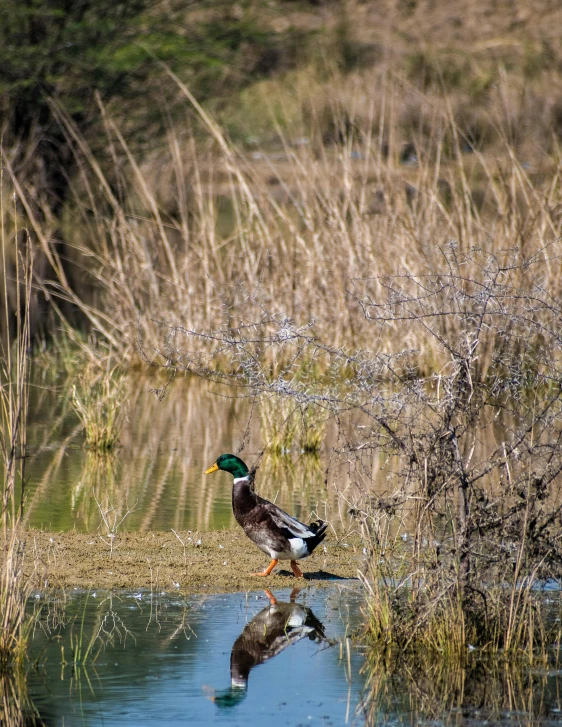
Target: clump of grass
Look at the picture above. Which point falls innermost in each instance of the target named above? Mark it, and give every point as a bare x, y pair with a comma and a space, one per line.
286, 427
417, 608
98, 400
312, 428
279, 424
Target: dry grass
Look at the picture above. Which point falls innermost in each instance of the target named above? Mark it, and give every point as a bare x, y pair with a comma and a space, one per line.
339, 220
404, 127
14, 381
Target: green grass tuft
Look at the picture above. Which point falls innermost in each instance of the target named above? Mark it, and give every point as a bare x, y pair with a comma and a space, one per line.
98, 400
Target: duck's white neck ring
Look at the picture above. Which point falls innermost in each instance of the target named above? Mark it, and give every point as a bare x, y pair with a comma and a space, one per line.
246, 478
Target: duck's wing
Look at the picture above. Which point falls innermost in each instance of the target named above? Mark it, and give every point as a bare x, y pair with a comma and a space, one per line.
286, 522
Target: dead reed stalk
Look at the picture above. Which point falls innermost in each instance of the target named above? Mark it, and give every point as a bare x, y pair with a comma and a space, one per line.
14, 381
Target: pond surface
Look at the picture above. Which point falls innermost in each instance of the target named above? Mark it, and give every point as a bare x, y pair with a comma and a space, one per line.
236, 659
157, 471
243, 659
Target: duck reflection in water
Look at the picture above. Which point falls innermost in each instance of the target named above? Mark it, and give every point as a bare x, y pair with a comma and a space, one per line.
269, 633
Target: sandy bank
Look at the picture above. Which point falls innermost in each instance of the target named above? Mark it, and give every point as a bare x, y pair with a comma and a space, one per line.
208, 562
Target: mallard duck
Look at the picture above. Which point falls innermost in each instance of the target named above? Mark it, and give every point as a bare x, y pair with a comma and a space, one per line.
276, 533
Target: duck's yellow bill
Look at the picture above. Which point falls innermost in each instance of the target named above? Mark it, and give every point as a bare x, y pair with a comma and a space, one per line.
212, 468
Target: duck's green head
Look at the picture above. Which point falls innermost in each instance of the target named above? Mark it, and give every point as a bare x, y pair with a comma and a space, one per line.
229, 463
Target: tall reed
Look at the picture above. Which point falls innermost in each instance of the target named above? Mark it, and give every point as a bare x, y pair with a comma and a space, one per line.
14, 381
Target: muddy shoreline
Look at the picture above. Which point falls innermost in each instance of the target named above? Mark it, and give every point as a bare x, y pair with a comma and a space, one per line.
204, 562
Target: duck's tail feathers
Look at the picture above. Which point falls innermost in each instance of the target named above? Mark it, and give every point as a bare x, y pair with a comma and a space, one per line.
319, 528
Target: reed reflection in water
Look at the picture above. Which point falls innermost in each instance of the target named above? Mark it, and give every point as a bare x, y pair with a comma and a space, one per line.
143, 659
481, 691
157, 472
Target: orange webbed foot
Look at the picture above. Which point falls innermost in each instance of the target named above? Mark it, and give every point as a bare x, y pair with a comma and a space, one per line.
296, 570
268, 570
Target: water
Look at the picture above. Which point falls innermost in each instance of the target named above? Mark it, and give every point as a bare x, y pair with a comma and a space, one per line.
167, 660
165, 446
157, 471
146, 658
